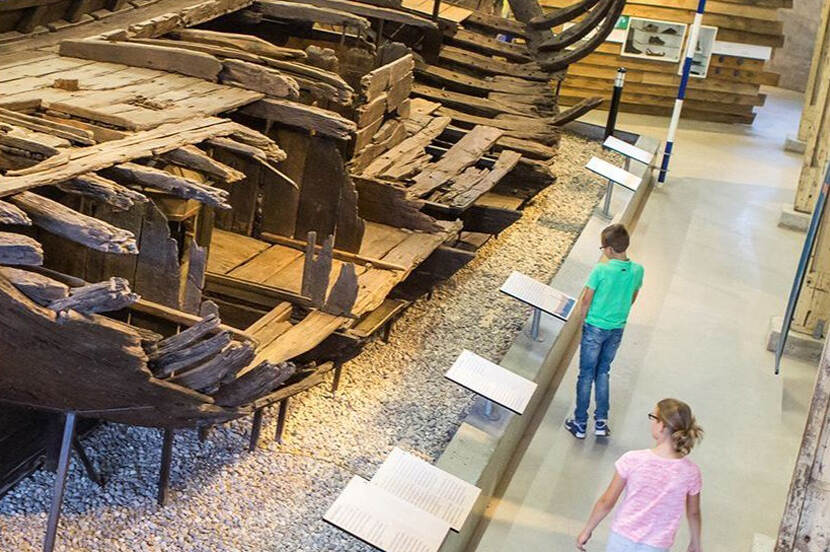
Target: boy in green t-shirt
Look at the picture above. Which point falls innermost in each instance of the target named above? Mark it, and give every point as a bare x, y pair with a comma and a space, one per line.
609, 293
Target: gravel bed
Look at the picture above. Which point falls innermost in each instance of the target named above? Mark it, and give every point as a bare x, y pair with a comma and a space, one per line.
226, 499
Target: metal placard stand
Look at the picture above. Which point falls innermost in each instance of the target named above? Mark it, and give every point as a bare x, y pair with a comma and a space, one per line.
541, 297
615, 175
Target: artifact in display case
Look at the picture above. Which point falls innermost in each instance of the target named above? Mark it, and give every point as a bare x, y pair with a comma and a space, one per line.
703, 52
654, 39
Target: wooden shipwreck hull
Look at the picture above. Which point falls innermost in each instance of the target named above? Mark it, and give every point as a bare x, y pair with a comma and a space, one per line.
301, 170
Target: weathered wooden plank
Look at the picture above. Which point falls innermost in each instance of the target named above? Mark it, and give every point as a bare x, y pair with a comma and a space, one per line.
491, 46
9, 214
190, 357
386, 203
63, 221
157, 272
177, 185
461, 197
577, 111
303, 12
320, 194
174, 60
302, 337
253, 384
141, 144
112, 295
375, 12
97, 187
205, 377
475, 105
247, 43
317, 269
344, 256
16, 249
194, 283
350, 227
193, 158
229, 250
483, 64
409, 149
462, 155
269, 327
322, 121
39, 288
261, 267
257, 77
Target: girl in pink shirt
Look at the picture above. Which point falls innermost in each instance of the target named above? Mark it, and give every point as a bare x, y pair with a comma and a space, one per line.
659, 484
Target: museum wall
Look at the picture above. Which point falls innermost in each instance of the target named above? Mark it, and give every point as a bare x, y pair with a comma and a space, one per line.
728, 90
792, 61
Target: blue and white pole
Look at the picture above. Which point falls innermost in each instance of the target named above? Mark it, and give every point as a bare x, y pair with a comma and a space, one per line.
681, 91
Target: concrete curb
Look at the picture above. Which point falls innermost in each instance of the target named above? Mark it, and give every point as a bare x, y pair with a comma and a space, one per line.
481, 449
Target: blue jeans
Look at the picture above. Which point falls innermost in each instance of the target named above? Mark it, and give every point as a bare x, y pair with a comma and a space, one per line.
596, 352
618, 543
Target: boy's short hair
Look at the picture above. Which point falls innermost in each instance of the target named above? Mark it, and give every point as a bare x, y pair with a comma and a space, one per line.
616, 237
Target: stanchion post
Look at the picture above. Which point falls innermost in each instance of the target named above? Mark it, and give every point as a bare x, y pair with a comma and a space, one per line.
535, 323
436, 7
60, 482
606, 204
616, 96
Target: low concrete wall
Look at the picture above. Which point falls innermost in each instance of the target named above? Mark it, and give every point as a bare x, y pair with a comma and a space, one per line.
483, 447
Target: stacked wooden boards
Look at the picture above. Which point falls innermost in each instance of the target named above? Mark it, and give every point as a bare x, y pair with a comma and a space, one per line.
21, 19
731, 90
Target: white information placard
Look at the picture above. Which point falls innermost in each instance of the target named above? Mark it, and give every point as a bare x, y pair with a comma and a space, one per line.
385, 521
615, 144
536, 294
492, 381
613, 173
429, 488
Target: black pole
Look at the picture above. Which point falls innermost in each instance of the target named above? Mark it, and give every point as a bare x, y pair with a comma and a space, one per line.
60, 482
256, 428
615, 102
281, 418
164, 471
436, 7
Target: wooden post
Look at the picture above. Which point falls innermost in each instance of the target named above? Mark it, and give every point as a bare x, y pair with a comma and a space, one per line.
807, 515
815, 119
812, 312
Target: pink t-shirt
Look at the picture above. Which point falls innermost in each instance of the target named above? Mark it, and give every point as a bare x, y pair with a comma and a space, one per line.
655, 496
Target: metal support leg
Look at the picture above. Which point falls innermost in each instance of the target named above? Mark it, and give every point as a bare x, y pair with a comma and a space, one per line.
94, 476
256, 428
164, 471
60, 482
534, 325
387, 331
281, 417
204, 433
489, 411
335, 384
606, 206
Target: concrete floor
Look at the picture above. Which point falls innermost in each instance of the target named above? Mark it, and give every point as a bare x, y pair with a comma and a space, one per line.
717, 268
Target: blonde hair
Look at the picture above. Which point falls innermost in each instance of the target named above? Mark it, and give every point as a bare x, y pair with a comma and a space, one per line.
677, 417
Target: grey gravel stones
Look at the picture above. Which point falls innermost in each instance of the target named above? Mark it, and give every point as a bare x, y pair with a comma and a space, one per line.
225, 499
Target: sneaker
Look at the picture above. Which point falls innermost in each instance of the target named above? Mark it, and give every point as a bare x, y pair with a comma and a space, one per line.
601, 428
577, 430
670, 31
654, 53
631, 49
651, 28
657, 40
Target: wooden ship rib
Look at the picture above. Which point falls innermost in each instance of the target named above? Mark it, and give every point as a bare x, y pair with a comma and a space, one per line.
206, 206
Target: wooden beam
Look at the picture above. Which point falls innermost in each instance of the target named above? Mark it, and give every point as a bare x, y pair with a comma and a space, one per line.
97, 187
322, 121
256, 77
63, 221
373, 12
386, 203
463, 154
174, 60
344, 256
244, 42
293, 11
195, 159
179, 186
16, 249
9, 214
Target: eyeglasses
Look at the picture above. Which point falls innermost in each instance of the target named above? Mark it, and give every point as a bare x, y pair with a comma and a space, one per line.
653, 418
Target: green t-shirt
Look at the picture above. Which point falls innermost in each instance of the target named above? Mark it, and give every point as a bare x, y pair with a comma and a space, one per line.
614, 284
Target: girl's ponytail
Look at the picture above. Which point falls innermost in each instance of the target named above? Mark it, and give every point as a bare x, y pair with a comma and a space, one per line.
677, 416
